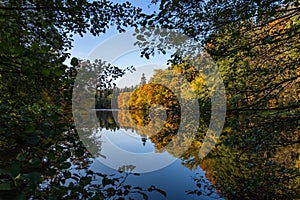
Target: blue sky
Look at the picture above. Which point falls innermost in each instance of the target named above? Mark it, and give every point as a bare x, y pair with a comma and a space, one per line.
84, 47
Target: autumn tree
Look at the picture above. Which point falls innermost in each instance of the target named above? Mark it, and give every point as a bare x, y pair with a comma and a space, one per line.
255, 45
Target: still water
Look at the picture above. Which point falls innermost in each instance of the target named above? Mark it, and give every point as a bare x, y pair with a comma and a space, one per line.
122, 144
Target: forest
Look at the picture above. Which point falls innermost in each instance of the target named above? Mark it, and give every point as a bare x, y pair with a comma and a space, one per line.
254, 44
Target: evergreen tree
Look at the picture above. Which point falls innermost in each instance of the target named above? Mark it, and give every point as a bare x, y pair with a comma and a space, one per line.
143, 79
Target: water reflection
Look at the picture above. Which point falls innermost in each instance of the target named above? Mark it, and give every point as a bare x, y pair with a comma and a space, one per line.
175, 179
257, 156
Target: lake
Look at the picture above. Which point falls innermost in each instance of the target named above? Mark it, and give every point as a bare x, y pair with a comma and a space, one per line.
125, 146
136, 154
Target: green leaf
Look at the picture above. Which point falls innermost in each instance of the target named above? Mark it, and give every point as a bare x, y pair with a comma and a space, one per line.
106, 181
85, 181
66, 155
33, 139
29, 129
141, 37
80, 152
5, 186
51, 172
67, 174
34, 178
58, 72
34, 162
52, 197
46, 71
14, 169
22, 156
65, 165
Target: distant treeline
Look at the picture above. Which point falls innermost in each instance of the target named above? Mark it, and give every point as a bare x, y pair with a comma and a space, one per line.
113, 98
117, 97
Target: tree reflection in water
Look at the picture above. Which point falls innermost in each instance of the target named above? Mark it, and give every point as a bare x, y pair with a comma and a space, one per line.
56, 165
257, 156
